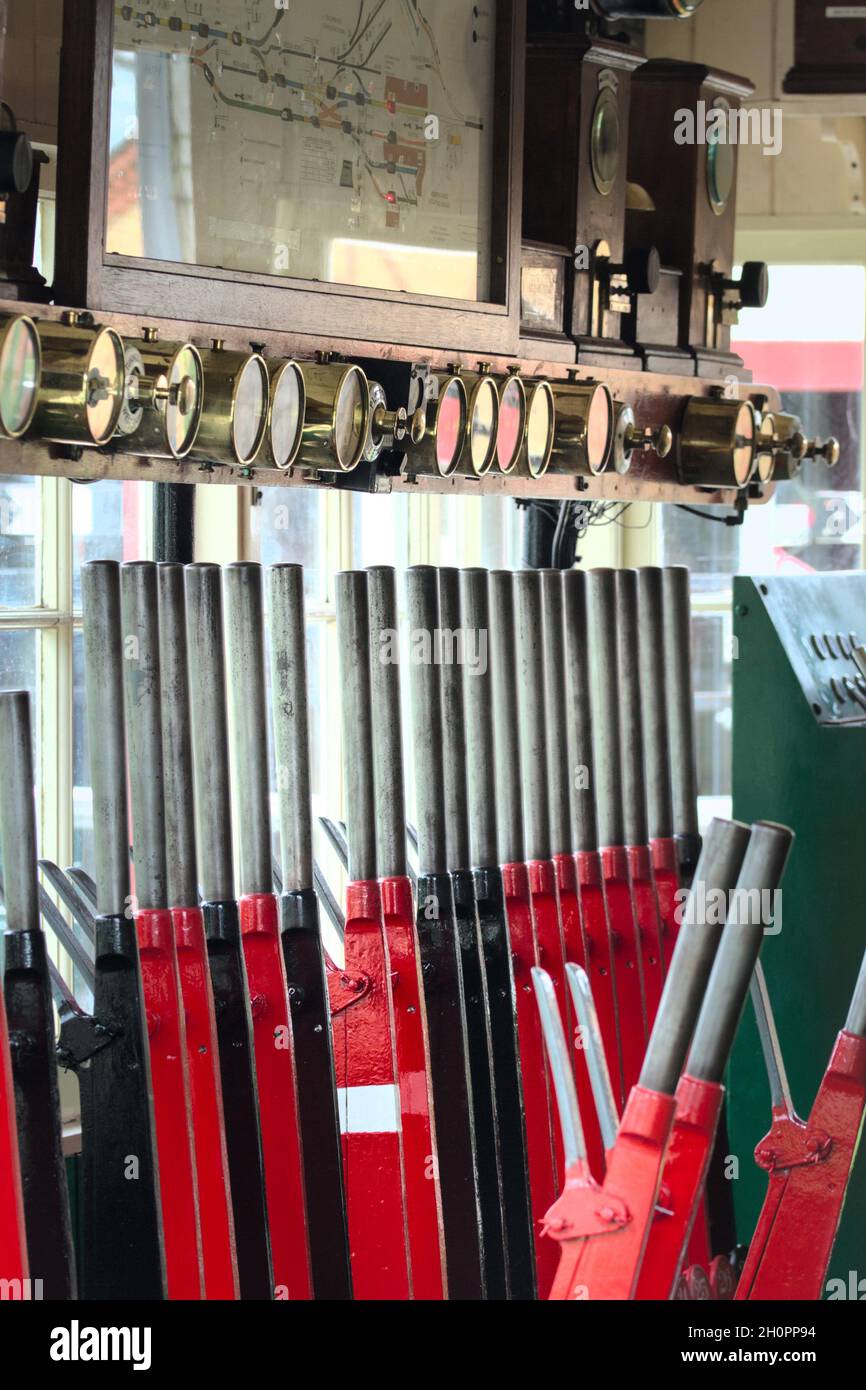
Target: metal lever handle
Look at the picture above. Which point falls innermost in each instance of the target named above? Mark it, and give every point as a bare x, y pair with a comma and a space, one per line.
208, 706
733, 967
18, 813
780, 1091
72, 897
387, 744
82, 880
291, 724
335, 835
856, 1020
354, 644
243, 598
574, 1146
719, 865
596, 1062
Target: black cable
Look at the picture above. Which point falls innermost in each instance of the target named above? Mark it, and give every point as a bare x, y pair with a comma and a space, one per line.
729, 520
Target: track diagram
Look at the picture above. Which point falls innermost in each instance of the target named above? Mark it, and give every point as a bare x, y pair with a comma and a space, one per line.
349, 141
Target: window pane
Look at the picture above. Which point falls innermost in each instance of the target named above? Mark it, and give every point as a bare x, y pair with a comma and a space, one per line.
380, 530
110, 521
711, 675
19, 542
291, 524
82, 804
500, 533
18, 672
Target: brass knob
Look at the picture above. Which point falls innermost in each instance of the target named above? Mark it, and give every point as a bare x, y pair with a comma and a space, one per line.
659, 441
830, 451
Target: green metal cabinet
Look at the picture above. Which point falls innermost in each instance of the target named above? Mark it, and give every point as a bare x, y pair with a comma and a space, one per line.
799, 757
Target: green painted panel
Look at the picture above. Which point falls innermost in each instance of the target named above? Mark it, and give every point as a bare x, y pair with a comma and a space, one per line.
789, 767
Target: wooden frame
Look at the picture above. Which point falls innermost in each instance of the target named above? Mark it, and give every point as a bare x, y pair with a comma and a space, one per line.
86, 277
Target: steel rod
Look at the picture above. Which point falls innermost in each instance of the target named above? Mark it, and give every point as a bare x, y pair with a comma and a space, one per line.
354, 644
248, 722
291, 725
596, 1062
605, 702
680, 700
387, 741
631, 714
103, 682
581, 765
651, 674
750, 910
556, 710
453, 654
206, 656
703, 918
780, 1090
422, 599
856, 1021
18, 813
532, 724
478, 707
72, 897
139, 617
509, 803
181, 876
574, 1146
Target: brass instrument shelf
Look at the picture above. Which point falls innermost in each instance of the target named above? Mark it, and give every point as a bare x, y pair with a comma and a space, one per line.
656, 400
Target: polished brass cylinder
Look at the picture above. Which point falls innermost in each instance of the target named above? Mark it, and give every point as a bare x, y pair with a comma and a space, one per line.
511, 436
766, 448
285, 415
337, 417
534, 459
482, 425
20, 371
583, 436
716, 443
83, 383
623, 427
164, 399
234, 416
438, 433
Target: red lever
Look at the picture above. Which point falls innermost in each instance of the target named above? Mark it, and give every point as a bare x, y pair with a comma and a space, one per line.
13, 1242
369, 1097
649, 925
172, 1105
536, 1099
809, 1166
576, 954
551, 957
599, 954
698, 1106
209, 1138
665, 864
627, 963
603, 1230
423, 1204
278, 1105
